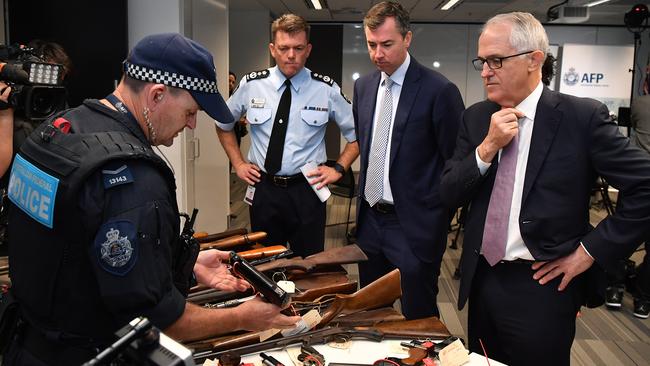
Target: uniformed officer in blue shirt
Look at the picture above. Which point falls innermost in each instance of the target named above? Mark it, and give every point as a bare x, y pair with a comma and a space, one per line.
283, 203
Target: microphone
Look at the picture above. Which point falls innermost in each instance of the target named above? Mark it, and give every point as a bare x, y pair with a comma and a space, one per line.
13, 73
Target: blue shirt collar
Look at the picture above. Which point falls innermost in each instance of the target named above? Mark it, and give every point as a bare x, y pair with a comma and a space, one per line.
298, 80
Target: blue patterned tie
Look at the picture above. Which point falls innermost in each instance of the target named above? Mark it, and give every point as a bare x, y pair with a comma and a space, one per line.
374, 189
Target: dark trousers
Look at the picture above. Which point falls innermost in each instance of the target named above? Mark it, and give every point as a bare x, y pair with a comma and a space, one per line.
519, 321
292, 214
383, 240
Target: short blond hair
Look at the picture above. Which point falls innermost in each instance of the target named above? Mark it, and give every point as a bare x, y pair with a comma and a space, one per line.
290, 23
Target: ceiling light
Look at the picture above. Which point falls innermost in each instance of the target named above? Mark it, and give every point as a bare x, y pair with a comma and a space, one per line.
594, 3
316, 4
449, 4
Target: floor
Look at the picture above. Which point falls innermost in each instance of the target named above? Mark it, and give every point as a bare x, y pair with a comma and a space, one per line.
603, 337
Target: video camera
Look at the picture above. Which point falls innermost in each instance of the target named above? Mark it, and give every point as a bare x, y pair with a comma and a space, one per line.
36, 92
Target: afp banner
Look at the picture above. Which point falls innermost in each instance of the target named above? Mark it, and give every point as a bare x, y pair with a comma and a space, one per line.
599, 72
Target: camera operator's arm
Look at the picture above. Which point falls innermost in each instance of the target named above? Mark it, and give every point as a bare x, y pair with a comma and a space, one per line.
199, 323
6, 129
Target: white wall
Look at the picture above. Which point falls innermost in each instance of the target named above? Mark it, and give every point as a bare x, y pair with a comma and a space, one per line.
201, 181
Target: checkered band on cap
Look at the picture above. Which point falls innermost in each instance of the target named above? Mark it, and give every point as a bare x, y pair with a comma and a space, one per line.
170, 78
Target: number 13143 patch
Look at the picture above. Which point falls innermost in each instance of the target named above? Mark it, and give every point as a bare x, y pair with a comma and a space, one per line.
119, 176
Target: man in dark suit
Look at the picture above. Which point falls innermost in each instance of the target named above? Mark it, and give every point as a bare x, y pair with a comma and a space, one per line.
406, 117
526, 160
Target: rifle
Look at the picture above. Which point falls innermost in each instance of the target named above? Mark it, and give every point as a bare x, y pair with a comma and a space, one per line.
342, 255
381, 292
429, 328
368, 318
234, 241
226, 234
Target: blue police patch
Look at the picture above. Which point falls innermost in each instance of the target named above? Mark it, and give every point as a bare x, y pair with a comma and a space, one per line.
119, 176
116, 247
33, 191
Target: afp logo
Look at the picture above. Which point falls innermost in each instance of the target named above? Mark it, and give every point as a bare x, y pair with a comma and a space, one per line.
572, 77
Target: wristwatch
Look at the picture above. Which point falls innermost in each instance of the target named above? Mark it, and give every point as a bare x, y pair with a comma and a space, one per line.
339, 168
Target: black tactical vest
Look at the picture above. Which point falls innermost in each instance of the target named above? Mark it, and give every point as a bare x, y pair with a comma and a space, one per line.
44, 233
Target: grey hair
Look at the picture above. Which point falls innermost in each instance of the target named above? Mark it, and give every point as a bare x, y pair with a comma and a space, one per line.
527, 33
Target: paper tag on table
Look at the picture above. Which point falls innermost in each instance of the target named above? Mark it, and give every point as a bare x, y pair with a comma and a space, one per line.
454, 354
308, 321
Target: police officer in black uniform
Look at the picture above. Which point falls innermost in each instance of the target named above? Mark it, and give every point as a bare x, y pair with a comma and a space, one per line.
94, 226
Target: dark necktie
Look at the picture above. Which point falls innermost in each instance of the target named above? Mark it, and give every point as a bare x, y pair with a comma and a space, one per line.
273, 161
495, 233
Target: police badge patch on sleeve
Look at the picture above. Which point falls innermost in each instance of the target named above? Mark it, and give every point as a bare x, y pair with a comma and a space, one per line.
116, 247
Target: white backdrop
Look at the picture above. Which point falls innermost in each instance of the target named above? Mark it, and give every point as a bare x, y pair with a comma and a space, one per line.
599, 72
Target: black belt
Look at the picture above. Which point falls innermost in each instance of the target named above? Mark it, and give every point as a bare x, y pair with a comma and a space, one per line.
514, 261
384, 208
283, 181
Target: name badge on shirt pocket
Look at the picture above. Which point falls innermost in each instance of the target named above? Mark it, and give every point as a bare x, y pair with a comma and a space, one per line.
258, 103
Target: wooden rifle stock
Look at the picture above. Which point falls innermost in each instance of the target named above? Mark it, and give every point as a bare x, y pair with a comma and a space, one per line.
231, 242
218, 236
342, 255
339, 288
367, 318
425, 328
264, 252
382, 292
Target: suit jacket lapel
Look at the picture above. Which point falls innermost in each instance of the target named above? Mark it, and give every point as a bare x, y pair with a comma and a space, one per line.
366, 115
407, 96
547, 121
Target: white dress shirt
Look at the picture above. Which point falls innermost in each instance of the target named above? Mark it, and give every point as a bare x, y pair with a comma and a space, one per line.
515, 247
398, 79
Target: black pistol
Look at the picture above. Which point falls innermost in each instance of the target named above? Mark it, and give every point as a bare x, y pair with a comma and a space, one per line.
269, 289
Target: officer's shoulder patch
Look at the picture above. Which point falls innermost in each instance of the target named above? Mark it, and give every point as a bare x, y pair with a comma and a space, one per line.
117, 176
324, 78
258, 75
33, 191
116, 247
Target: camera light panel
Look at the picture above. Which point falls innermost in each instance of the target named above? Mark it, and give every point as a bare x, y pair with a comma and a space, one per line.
43, 73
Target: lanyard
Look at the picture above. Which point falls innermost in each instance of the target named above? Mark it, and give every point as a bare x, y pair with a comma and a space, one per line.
133, 124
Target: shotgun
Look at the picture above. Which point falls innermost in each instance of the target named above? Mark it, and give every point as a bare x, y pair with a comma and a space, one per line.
426, 328
218, 236
342, 255
233, 241
320, 336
